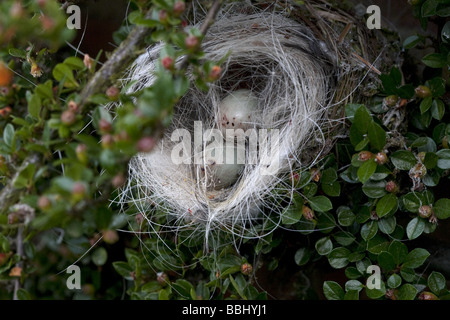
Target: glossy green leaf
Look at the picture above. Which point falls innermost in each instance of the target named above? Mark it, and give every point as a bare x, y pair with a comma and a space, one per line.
415, 228
324, 246
399, 251
302, 256
333, 291
367, 169
320, 204
442, 208
377, 136
403, 160
407, 292
386, 261
394, 281
387, 204
346, 217
415, 258
99, 256
369, 230
436, 282
338, 257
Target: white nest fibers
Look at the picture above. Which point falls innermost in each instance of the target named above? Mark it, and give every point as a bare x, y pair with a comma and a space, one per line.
289, 74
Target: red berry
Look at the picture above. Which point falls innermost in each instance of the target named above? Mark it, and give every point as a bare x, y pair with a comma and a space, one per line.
5, 112
178, 8
365, 155
425, 211
44, 203
107, 141
118, 180
423, 91
308, 213
163, 16
146, 144
113, 93
6, 76
104, 126
215, 73
391, 186
167, 63
191, 42
381, 158
246, 269
68, 117
110, 236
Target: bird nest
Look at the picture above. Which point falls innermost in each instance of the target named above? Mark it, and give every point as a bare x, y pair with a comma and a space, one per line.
228, 157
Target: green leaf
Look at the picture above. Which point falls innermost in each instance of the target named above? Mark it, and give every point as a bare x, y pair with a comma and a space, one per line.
386, 205
18, 53
437, 109
399, 251
412, 201
329, 176
338, 257
124, 269
429, 8
9, 135
99, 256
377, 136
291, 215
387, 225
353, 285
332, 190
442, 208
333, 291
436, 282
344, 238
374, 189
320, 204
376, 293
403, 160
367, 169
394, 281
377, 244
183, 288
351, 295
350, 110
369, 230
443, 159
407, 292
302, 256
411, 41
23, 294
324, 246
386, 261
415, 228
435, 60
362, 119
34, 106
415, 258
74, 63
445, 34
63, 72
346, 217
425, 105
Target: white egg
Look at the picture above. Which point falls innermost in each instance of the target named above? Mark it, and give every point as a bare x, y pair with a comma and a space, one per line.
224, 173
238, 110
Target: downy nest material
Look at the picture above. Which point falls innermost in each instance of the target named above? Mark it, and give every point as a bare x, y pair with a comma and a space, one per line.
284, 83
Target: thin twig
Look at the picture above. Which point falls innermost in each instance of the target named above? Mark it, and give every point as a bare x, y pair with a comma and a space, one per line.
120, 59
19, 252
209, 20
